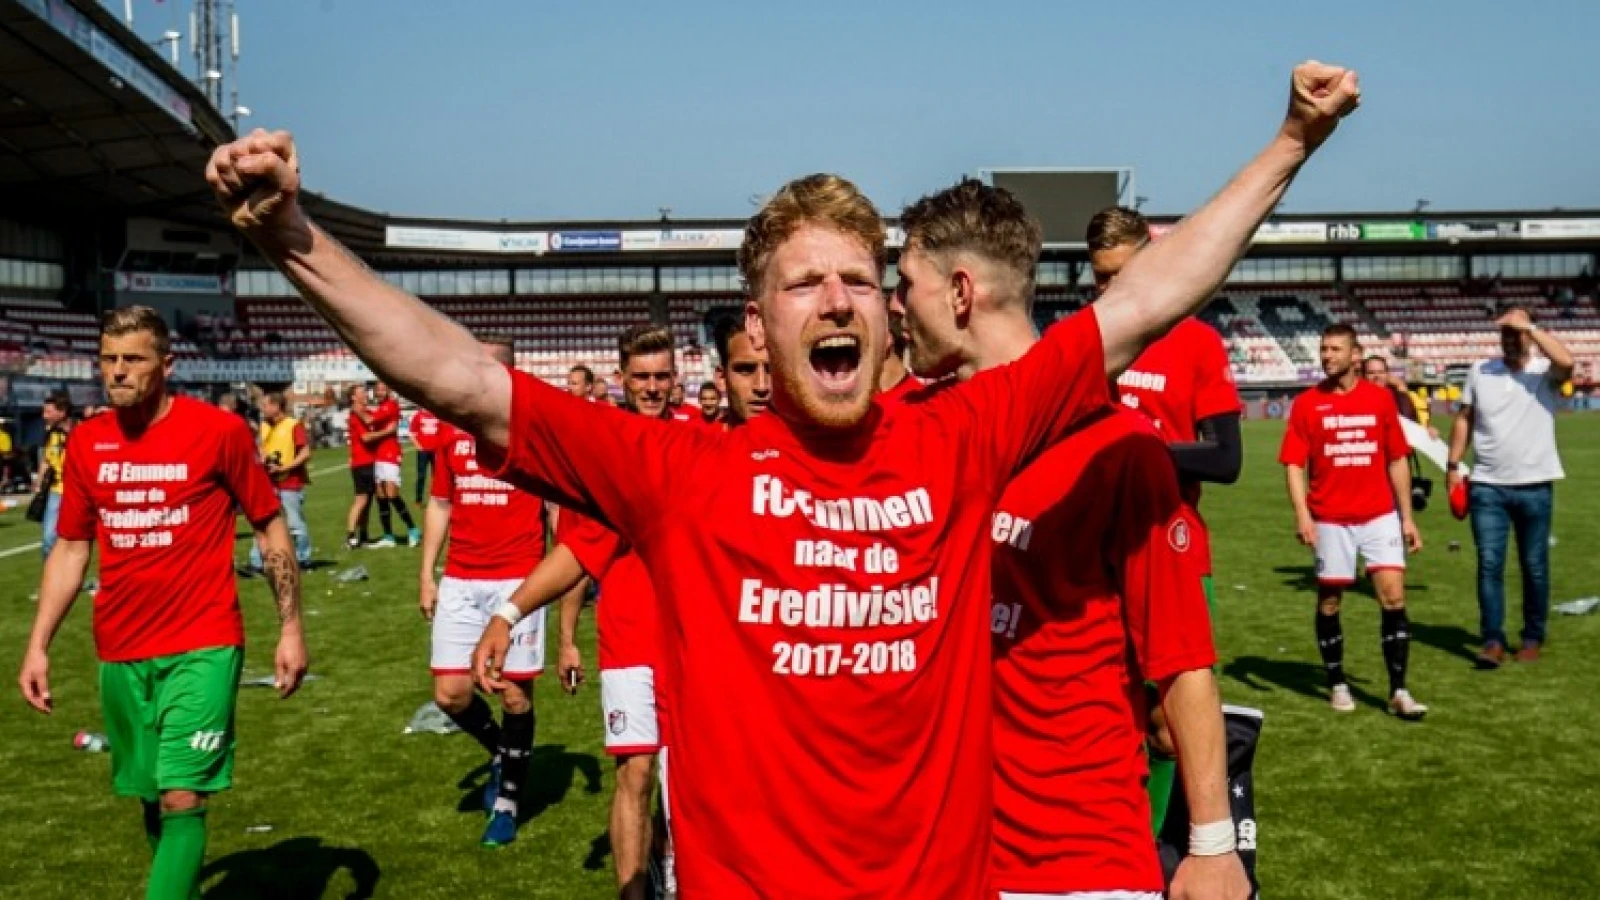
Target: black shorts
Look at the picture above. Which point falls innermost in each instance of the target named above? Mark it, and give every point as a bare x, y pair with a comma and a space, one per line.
362, 477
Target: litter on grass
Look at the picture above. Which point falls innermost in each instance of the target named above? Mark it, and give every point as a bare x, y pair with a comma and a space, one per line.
270, 681
352, 574
430, 719
1579, 607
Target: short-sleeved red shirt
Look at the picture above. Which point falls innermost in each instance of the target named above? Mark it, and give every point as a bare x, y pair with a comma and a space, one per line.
496, 530
1345, 442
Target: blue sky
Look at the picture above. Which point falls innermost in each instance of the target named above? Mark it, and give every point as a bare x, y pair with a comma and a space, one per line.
526, 109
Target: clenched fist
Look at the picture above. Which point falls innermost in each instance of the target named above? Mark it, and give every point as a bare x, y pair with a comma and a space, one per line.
1319, 96
256, 179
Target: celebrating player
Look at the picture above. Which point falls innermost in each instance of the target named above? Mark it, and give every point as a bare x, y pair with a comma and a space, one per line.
1345, 435
824, 611
580, 382
361, 463
157, 483
496, 538
386, 471
1070, 805
1183, 383
625, 622
424, 433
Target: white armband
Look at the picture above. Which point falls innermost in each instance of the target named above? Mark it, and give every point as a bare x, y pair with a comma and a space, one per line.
509, 612
1213, 839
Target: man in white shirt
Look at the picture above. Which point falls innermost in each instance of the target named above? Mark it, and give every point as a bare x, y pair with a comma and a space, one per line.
1508, 415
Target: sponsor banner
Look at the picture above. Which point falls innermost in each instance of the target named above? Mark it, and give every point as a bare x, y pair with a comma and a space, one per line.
1393, 231
683, 239
1560, 229
1291, 233
641, 240
99, 45
585, 241
156, 283
1473, 231
896, 236
1344, 231
466, 241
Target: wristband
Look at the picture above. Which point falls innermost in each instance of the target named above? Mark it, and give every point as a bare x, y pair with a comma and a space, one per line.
509, 612
1213, 839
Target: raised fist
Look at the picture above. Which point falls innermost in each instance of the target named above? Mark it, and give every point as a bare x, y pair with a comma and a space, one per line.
256, 179
1319, 96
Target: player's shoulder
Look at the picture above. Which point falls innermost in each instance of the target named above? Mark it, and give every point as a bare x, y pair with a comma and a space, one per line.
1196, 329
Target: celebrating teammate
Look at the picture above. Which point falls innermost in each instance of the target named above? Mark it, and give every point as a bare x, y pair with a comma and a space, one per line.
425, 434
362, 458
1345, 435
1070, 809
625, 623
386, 471
1183, 383
156, 484
824, 610
496, 538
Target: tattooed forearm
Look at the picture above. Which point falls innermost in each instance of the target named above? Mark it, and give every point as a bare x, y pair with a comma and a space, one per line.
284, 574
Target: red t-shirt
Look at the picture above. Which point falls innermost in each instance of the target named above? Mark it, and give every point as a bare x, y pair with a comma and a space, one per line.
496, 531
1177, 381
906, 387
1093, 555
162, 509
625, 617
684, 412
824, 614
425, 430
387, 415
1345, 442
361, 452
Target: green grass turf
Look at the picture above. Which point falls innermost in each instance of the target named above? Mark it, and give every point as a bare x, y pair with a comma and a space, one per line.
1493, 796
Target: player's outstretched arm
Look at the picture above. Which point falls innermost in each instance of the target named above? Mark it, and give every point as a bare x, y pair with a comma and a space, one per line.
423, 354
1175, 276
63, 577
283, 573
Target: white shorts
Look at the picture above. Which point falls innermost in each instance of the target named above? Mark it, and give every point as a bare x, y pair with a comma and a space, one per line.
628, 699
1379, 542
386, 473
461, 614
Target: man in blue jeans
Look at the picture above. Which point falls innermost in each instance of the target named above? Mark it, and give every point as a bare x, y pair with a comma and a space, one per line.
286, 452
1508, 415
57, 416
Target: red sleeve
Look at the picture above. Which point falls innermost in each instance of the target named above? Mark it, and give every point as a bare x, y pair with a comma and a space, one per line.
595, 546
245, 478
300, 439
1163, 599
76, 520
1395, 445
1015, 411
571, 452
1214, 390
1296, 443
444, 477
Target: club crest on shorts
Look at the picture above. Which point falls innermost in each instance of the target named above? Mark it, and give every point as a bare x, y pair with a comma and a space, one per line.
617, 721
1178, 535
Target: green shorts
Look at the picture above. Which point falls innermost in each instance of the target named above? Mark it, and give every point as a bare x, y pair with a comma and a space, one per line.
169, 721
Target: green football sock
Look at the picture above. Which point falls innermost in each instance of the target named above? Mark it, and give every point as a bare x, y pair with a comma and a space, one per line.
1163, 772
175, 874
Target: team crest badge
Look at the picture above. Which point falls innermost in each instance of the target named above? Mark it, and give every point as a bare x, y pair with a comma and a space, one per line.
1178, 536
617, 721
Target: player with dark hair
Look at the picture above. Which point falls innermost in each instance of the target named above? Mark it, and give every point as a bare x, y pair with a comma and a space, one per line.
1345, 435
825, 611
425, 434
156, 484
362, 459
496, 537
745, 370
286, 451
1071, 815
384, 436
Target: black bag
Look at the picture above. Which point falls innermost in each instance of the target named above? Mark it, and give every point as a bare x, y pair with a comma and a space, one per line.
1243, 725
41, 498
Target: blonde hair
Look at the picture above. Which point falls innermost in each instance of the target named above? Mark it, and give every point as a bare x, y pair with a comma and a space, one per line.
133, 319
821, 199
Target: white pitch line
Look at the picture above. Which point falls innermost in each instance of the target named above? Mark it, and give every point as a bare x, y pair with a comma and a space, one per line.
13, 551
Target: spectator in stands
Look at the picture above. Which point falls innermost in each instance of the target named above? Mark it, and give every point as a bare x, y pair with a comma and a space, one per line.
286, 451
57, 415
1508, 416
580, 382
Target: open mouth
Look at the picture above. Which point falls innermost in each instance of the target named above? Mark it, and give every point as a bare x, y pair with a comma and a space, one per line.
836, 359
